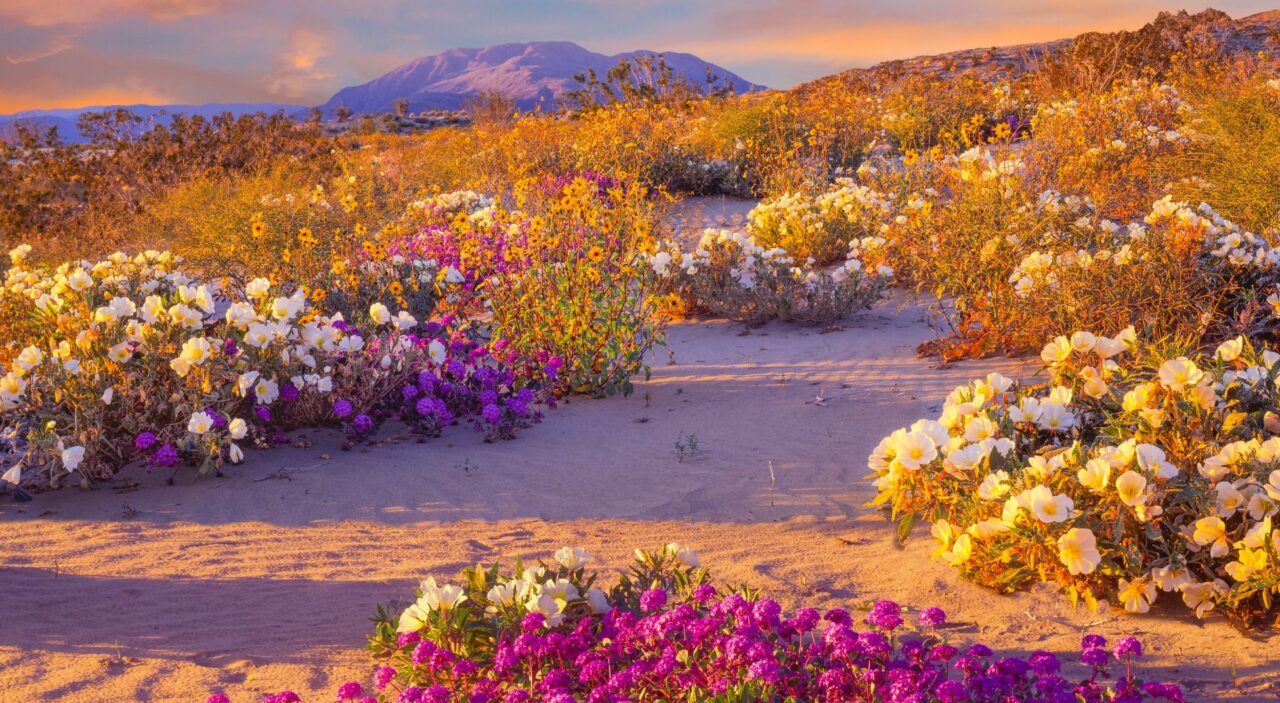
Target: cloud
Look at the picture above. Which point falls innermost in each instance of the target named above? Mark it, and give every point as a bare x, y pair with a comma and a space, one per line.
299, 68
49, 13
58, 46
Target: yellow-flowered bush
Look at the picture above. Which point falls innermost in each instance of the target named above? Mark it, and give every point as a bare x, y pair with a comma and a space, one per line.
1130, 473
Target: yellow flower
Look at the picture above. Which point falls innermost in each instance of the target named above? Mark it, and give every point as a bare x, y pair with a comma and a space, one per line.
1137, 595
258, 229
1212, 530
1248, 562
595, 254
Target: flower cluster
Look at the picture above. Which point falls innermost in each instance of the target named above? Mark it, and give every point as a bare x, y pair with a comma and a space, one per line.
131, 358
1128, 474
820, 227
546, 634
730, 274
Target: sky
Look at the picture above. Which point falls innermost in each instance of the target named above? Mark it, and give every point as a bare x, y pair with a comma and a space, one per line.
73, 53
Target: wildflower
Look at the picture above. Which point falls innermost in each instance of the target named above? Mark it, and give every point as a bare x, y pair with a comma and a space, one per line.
1050, 508
915, 449
1230, 350
653, 599
1137, 595
572, 558
72, 457
379, 313
1078, 551
1212, 531
237, 429
1177, 374
200, 422
1131, 487
1057, 351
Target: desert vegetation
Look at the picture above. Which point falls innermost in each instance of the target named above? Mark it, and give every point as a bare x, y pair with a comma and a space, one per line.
183, 297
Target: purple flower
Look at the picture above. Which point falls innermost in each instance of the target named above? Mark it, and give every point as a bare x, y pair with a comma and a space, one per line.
933, 617
653, 599
342, 408
288, 392
951, 692
1044, 663
144, 441
350, 691
363, 423
1089, 641
704, 593
383, 676
1128, 647
164, 456
218, 698
492, 414
263, 413
1094, 656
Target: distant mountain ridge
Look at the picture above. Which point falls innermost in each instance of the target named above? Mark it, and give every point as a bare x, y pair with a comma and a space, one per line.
64, 119
529, 73
1259, 32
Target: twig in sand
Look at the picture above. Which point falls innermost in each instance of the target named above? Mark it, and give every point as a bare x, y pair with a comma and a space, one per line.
773, 482
285, 474
822, 398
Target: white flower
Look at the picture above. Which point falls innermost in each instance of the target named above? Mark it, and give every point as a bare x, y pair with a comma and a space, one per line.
1230, 349
379, 313
235, 454
598, 601
405, 321
238, 428
72, 457
1048, 507
572, 558
915, 449
200, 422
1131, 487
1176, 374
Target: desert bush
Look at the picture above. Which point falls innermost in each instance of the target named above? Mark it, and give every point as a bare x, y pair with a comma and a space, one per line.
73, 200
554, 632
1236, 153
1134, 470
1013, 265
130, 358
1113, 148
820, 227
730, 274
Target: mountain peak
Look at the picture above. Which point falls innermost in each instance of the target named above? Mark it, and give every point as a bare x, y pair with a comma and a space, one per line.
528, 72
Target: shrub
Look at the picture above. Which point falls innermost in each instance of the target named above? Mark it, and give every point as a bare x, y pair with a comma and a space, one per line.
552, 633
1131, 472
730, 274
130, 358
820, 227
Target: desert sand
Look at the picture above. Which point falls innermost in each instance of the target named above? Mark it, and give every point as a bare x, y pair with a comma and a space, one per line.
265, 579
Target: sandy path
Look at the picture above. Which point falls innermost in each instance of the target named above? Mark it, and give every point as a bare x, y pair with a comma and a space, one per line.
254, 586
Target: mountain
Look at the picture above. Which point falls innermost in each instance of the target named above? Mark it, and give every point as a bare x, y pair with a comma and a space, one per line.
64, 119
1157, 41
528, 73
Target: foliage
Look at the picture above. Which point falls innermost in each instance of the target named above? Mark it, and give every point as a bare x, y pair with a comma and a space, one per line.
1133, 471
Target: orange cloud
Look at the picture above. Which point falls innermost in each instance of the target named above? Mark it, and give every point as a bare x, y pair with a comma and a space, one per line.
50, 13
112, 94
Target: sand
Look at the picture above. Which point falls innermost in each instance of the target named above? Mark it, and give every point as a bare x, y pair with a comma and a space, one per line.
265, 579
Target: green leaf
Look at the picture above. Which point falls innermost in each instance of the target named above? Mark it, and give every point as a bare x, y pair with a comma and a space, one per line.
907, 522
